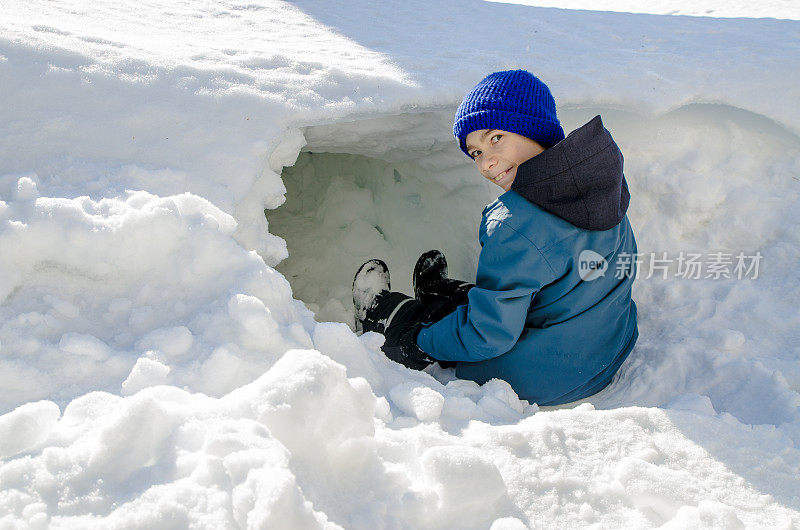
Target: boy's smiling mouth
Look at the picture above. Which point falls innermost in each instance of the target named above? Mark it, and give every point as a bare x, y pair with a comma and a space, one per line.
502, 174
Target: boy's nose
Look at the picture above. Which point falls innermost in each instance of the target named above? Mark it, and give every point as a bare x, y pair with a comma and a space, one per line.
488, 163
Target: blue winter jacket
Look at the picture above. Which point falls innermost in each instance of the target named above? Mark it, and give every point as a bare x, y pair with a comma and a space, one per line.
554, 328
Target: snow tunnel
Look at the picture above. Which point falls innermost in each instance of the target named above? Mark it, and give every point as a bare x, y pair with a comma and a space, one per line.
392, 187
388, 187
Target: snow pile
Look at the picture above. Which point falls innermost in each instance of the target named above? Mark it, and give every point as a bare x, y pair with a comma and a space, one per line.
303, 446
159, 368
91, 286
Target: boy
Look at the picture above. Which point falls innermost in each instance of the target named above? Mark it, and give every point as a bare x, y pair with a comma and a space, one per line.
551, 310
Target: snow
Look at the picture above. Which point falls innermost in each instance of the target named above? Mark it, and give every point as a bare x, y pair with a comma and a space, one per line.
172, 357
785, 9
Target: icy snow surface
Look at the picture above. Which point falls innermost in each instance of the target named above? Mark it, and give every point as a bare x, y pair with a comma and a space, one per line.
172, 357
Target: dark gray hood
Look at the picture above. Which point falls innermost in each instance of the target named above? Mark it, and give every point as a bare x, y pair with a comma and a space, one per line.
579, 179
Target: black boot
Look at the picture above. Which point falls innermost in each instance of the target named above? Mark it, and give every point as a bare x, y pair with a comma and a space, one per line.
397, 316
371, 280
431, 283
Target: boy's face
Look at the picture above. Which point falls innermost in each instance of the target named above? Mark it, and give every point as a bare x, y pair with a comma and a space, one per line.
498, 153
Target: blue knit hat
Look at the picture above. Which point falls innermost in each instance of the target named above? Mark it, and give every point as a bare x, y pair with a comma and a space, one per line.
514, 101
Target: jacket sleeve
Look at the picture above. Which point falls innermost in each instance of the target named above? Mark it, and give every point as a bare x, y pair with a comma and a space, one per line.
511, 269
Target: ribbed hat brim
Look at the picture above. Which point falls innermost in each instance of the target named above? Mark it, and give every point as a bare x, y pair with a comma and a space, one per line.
541, 130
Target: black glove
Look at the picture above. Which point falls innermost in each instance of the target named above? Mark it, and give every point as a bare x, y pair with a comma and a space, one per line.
401, 345
401, 337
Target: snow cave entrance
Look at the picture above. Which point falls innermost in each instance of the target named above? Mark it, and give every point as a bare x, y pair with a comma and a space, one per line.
390, 188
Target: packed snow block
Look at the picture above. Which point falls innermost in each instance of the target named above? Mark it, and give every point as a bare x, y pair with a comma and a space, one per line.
146, 372
500, 402
85, 345
257, 327
459, 408
26, 427
417, 400
27, 189
172, 342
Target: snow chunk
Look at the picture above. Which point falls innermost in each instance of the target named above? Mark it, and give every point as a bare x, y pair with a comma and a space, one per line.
172, 342
27, 426
204, 212
306, 384
285, 153
146, 372
26, 189
142, 418
420, 401
500, 401
84, 345
459, 407
255, 320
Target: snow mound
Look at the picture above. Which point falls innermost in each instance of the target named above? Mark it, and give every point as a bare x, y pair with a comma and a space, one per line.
92, 286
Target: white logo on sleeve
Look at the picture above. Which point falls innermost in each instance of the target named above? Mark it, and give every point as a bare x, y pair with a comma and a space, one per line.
591, 265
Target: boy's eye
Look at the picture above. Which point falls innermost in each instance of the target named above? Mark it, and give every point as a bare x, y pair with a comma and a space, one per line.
498, 136
475, 153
